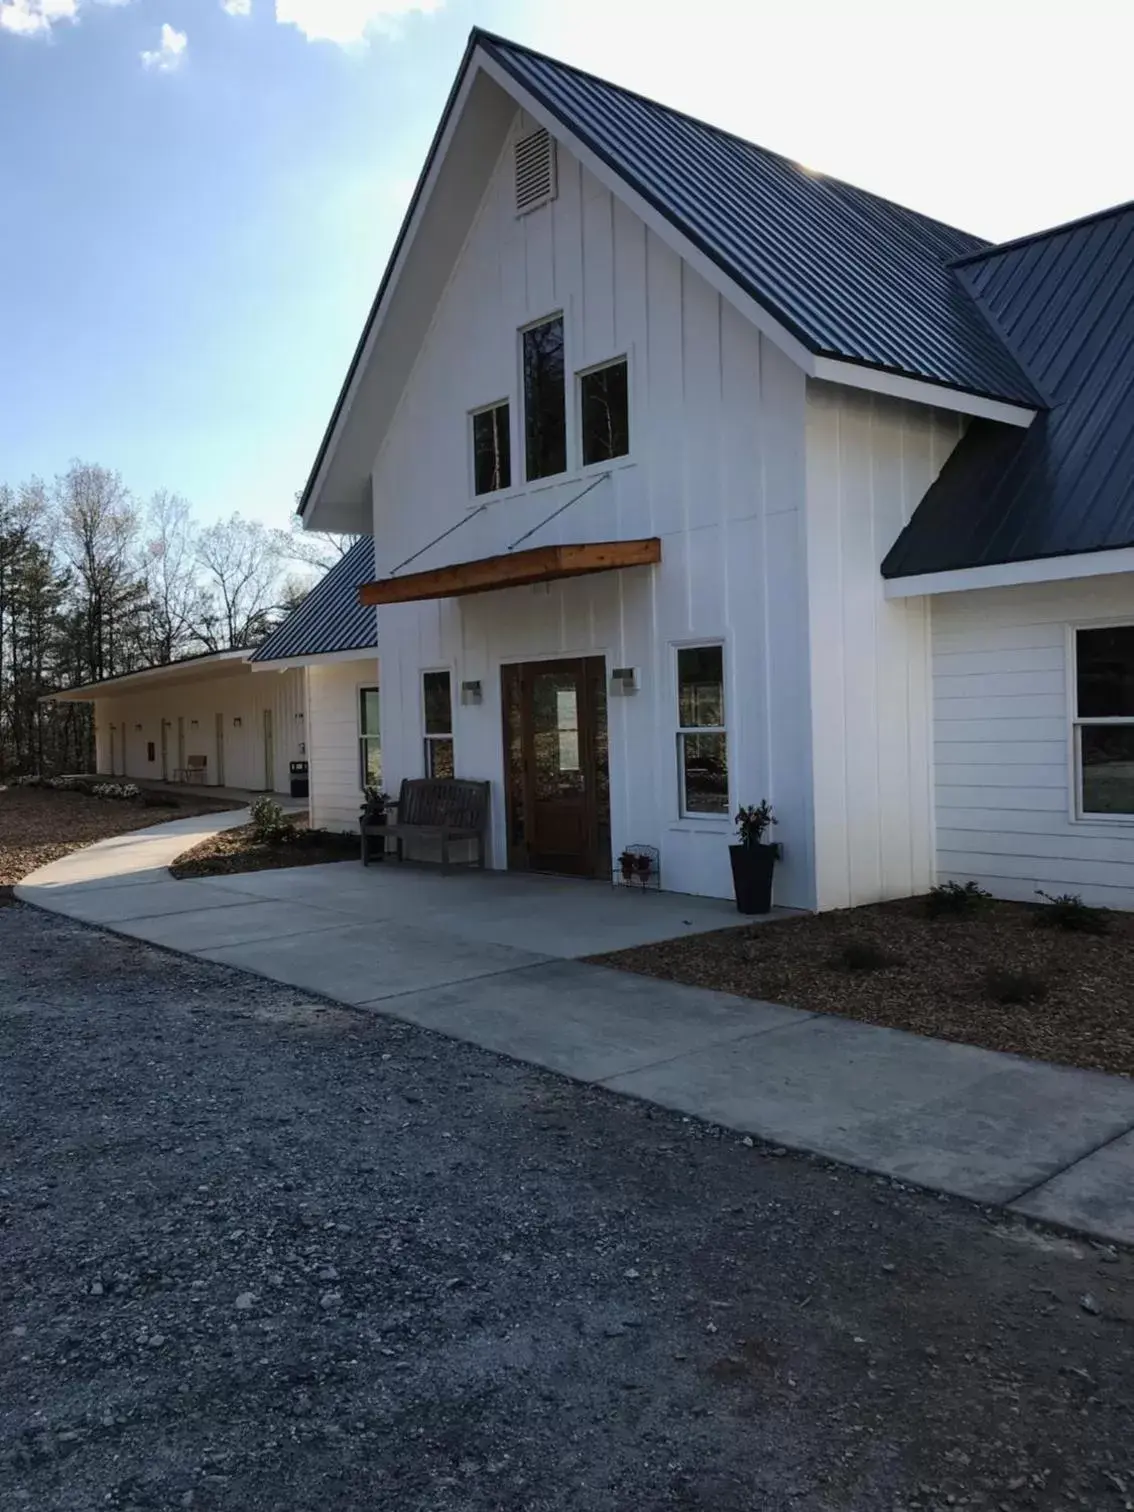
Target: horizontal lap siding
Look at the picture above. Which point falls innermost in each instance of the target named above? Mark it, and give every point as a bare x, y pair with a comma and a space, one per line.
333, 741
1001, 744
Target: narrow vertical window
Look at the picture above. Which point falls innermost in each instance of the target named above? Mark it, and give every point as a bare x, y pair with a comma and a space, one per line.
437, 695
545, 400
369, 739
702, 742
604, 413
1104, 719
492, 449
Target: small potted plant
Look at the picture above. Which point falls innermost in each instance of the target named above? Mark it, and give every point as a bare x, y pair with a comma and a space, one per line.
644, 866
627, 861
753, 860
375, 807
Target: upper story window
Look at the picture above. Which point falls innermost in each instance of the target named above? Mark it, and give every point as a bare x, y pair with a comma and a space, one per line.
1104, 719
604, 412
545, 400
492, 449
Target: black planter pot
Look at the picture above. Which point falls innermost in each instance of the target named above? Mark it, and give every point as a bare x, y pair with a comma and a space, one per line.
752, 868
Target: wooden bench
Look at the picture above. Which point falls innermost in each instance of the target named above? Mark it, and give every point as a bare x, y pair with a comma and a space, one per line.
194, 770
435, 808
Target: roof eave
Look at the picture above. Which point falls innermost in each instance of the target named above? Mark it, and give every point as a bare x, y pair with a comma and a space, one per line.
1051, 569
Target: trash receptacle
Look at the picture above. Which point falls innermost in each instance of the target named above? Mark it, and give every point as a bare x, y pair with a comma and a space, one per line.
299, 779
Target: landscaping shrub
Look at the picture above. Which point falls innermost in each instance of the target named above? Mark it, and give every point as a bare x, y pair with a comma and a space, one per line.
956, 900
863, 955
270, 825
126, 792
1015, 986
1068, 911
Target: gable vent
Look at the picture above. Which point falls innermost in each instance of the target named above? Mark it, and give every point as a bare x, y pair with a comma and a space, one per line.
535, 171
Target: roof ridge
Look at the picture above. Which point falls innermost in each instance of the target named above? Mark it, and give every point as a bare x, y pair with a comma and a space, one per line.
480, 34
1034, 236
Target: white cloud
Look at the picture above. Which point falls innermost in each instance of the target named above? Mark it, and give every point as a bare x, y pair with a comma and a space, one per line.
349, 21
237, 7
35, 18
170, 54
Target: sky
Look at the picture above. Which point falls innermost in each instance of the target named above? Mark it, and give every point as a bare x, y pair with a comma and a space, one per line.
197, 197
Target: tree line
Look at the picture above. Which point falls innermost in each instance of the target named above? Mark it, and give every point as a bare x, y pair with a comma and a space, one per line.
95, 582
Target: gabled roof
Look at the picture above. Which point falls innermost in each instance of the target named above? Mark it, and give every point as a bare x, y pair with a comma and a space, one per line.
1063, 301
850, 275
330, 619
842, 275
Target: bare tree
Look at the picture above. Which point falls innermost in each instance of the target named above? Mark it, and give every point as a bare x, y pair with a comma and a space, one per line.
96, 531
239, 561
177, 603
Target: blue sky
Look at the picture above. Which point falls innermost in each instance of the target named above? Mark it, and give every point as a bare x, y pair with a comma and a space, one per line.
198, 196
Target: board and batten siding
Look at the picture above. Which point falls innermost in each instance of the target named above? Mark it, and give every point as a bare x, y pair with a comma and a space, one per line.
138, 718
870, 460
1004, 765
716, 470
333, 741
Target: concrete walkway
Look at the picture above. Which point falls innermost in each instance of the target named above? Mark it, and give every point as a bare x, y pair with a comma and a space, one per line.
491, 958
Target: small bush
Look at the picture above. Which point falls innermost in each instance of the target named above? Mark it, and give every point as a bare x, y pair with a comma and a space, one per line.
270, 825
1015, 986
862, 955
956, 900
1068, 911
125, 792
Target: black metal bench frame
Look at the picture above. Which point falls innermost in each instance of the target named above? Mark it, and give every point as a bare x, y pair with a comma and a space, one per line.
446, 809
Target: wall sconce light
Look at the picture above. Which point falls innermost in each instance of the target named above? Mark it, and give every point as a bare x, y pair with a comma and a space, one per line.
236, 723
623, 681
299, 716
471, 692
193, 724
137, 727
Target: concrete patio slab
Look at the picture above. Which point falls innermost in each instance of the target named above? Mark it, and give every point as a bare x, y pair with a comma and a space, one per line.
117, 906
358, 964
587, 1021
953, 1117
238, 922
1096, 1194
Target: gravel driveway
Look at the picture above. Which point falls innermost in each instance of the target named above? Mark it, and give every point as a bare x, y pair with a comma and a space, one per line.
260, 1252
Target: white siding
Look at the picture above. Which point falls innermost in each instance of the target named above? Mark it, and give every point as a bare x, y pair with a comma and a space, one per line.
870, 460
1005, 806
716, 470
333, 741
137, 719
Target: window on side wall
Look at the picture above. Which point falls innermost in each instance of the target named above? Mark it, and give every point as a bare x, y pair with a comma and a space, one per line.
492, 449
369, 739
437, 696
545, 400
604, 412
702, 740
1104, 720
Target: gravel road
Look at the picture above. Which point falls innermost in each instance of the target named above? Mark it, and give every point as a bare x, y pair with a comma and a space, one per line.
260, 1252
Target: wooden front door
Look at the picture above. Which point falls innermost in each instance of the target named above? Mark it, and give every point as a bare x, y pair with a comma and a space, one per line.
557, 767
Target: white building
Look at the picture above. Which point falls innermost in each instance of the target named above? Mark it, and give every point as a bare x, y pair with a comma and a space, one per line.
696, 478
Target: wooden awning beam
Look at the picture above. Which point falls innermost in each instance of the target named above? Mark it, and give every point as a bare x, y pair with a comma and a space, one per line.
542, 564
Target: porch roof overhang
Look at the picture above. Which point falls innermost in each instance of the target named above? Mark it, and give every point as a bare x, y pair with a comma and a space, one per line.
515, 569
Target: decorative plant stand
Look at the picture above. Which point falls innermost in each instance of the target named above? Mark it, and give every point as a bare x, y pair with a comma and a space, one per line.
638, 866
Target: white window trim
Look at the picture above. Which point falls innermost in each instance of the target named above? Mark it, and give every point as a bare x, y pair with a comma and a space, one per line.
684, 816
1076, 812
427, 739
588, 469
364, 739
470, 451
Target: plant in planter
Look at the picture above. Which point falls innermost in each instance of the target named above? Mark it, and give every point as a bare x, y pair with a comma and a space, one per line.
375, 806
627, 862
643, 865
753, 860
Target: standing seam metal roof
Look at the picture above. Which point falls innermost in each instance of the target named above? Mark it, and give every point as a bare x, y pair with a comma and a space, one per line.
1064, 303
330, 618
850, 275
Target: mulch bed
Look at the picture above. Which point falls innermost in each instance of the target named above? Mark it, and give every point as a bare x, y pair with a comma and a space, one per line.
237, 850
38, 825
937, 980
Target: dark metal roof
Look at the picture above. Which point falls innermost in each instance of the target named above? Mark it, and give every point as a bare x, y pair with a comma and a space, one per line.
850, 275
1063, 301
330, 618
